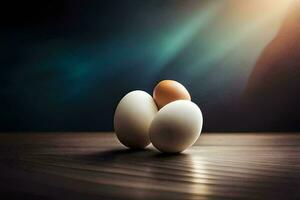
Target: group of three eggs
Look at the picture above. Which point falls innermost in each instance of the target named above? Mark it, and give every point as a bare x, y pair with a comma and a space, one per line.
169, 119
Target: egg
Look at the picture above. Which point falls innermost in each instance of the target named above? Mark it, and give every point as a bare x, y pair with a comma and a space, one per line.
133, 117
167, 91
176, 126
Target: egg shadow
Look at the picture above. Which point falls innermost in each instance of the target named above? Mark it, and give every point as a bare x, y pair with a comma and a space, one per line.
123, 156
117, 155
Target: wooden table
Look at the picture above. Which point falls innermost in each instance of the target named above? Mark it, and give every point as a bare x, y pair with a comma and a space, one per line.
97, 166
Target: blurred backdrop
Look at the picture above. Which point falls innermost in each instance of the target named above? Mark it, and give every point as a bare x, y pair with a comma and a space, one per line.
66, 64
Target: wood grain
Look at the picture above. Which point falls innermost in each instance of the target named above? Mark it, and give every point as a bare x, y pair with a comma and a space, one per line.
97, 166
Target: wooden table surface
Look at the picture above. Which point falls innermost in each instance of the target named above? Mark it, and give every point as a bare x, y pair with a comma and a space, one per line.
97, 166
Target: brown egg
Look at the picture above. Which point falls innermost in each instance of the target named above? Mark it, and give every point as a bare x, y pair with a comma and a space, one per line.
167, 91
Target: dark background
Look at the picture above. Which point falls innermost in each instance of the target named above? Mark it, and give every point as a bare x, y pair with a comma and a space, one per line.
66, 64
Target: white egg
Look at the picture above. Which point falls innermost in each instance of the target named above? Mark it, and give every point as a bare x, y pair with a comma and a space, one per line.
133, 117
176, 126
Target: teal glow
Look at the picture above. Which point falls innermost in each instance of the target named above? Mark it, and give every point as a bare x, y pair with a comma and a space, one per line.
174, 41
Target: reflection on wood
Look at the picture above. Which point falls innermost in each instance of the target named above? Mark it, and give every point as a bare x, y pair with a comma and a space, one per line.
96, 166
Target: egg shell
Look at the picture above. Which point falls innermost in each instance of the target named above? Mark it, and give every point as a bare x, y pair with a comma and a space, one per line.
167, 91
133, 117
176, 126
